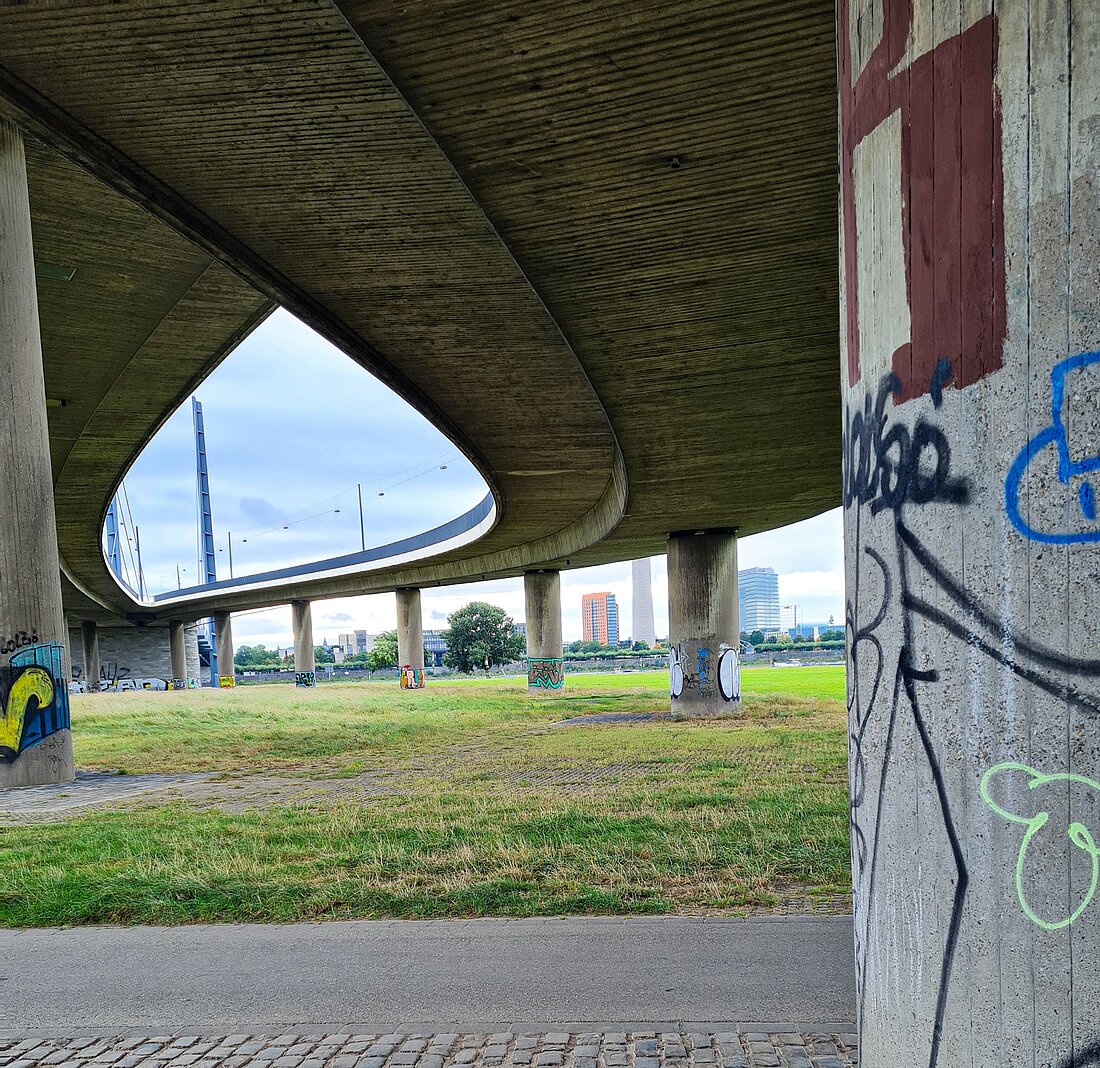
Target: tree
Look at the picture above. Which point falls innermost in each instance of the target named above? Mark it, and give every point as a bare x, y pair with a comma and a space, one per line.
481, 636
640, 646
756, 637
323, 656
384, 653
255, 656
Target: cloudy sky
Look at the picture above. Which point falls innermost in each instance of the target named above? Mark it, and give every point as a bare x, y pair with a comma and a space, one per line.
293, 425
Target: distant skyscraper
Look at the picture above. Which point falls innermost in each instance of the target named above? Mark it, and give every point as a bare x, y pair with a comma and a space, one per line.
758, 598
642, 603
600, 618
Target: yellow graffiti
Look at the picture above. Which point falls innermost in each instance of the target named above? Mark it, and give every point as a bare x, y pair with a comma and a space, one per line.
34, 682
227, 681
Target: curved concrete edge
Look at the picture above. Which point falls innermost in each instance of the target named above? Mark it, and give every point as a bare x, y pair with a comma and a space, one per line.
432, 570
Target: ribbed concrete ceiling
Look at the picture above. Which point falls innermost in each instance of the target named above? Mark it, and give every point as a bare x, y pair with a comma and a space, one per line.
550, 227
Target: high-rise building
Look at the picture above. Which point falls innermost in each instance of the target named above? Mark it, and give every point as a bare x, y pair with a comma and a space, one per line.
355, 642
600, 618
758, 598
642, 603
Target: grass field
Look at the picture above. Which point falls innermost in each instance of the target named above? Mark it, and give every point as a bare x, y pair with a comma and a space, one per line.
475, 804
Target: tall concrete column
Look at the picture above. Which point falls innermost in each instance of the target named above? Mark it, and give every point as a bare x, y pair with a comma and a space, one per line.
542, 600
305, 665
224, 632
177, 644
971, 389
89, 635
705, 647
410, 639
35, 740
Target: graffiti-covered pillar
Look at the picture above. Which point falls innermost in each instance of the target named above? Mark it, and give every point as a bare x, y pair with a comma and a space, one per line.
89, 641
301, 621
410, 639
223, 628
542, 601
970, 226
704, 654
177, 644
35, 743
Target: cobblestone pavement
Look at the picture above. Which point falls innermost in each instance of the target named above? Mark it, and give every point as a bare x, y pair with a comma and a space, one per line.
348, 1049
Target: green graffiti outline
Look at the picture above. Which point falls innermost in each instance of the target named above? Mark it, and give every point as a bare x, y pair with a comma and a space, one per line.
1077, 833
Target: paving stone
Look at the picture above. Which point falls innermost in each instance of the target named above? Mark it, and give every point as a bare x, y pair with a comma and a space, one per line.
550, 1059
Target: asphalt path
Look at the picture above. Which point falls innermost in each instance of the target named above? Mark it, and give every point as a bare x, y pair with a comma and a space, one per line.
408, 975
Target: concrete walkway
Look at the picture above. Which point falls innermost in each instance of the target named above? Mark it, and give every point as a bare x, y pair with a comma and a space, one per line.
674, 974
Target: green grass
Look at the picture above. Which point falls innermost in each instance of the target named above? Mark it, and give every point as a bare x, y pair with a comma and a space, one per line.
709, 816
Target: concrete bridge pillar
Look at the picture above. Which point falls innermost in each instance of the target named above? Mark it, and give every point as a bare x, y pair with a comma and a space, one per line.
305, 665
35, 740
89, 634
177, 644
705, 646
224, 632
971, 387
542, 600
410, 639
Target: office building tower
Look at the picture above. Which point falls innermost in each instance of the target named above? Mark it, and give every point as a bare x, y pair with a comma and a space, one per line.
600, 618
758, 599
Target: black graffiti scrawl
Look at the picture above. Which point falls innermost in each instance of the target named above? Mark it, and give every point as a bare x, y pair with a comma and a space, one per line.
34, 698
891, 471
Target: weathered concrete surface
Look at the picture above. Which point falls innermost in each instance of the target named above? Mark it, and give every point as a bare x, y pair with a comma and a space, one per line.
774, 970
35, 745
656, 214
972, 442
410, 638
542, 613
305, 659
223, 628
177, 646
89, 663
704, 638
137, 653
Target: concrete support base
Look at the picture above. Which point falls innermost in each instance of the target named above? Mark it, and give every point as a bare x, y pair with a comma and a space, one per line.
90, 665
227, 677
410, 639
177, 646
704, 659
305, 665
35, 743
971, 428
542, 600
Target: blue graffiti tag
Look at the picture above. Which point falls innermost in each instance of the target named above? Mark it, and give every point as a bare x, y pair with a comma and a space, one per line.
703, 658
1068, 468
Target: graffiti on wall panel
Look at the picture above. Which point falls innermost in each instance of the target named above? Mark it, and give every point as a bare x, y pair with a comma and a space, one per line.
34, 696
227, 682
893, 472
692, 668
412, 678
305, 678
1053, 454
950, 188
545, 672
1035, 818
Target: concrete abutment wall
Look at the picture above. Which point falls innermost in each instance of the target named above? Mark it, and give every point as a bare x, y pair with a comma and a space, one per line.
970, 226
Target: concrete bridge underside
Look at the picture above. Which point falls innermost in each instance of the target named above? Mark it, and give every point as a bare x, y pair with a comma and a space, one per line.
560, 242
